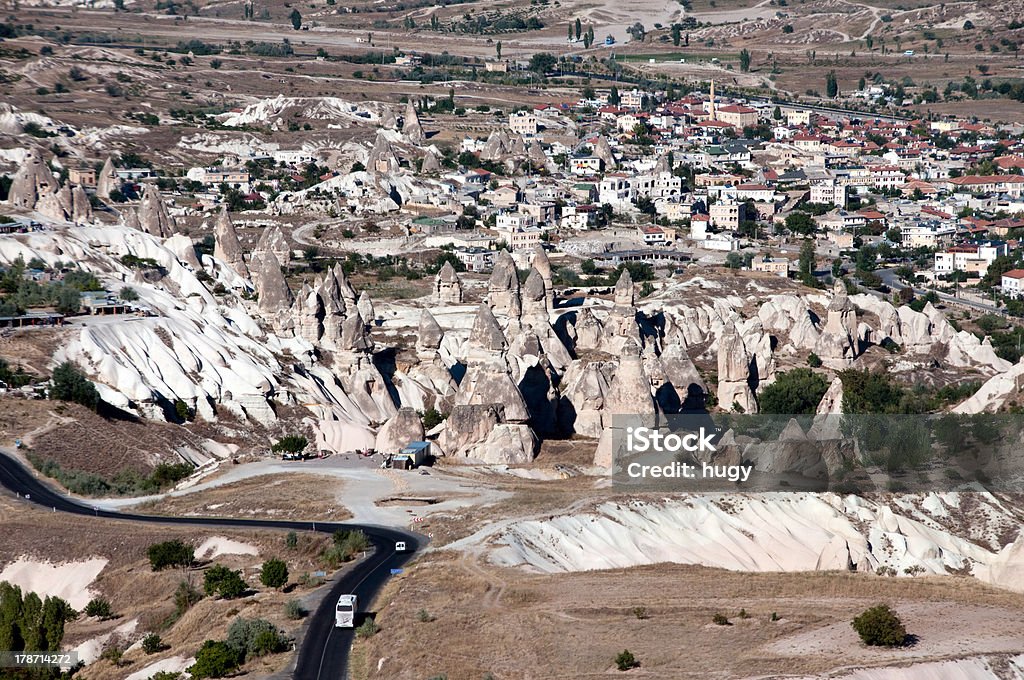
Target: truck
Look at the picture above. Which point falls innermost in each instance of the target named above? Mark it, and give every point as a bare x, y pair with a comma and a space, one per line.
345, 612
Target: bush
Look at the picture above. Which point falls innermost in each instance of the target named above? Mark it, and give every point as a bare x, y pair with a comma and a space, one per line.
880, 627
128, 294
291, 540
214, 660
423, 616
346, 545
99, 608
625, 660
274, 573
368, 629
794, 392
640, 612
184, 597
294, 610
290, 444
170, 554
720, 620
225, 582
70, 384
813, 360
151, 644
252, 638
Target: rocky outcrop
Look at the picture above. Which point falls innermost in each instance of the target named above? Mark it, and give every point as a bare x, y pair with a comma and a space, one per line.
486, 340
153, 216
354, 337
411, 128
431, 163
226, 246
31, 182
382, 160
81, 208
542, 264
604, 151
734, 373
275, 298
630, 389
107, 180
588, 331
309, 315
448, 286
837, 346
481, 432
430, 333
403, 427
503, 293
272, 240
365, 306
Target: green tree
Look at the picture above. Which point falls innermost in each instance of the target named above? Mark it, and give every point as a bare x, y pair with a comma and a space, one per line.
151, 644
274, 573
222, 581
70, 384
290, 444
879, 626
734, 260
807, 258
56, 612
801, 223
677, 34
296, 19
170, 554
542, 62
794, 392
613, 96
866, 392
625, 660
831, 85
99, 607
497, 49
579, 28
253, 638
744, 60
214, 660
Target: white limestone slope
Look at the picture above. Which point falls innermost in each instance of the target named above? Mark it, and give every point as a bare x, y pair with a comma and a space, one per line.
978, 668
194, 348
933, 534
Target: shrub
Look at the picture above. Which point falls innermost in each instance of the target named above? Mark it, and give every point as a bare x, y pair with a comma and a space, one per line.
423, 616
184, 597
170, 554
640, 612
346, 545
291, 540
98, 607
720, 620
228, 583
294, 610
774, 617
368, 629
813, 360
796, 391
274, 573
625, 660
880, 627
70, 384
214, 660
128, 294
290, 444
251, 638
151, 644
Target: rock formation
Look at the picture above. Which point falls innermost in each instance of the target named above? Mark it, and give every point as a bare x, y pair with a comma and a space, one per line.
309, 315
448, 286
273, 241
837, 345
543, 265
153, 216
226, 246
411, 126
365, 307
429, 334
275, 298
431, 162
31, 182
382, 160
734, 373
503, 287
604, 151
107, 180
403, 427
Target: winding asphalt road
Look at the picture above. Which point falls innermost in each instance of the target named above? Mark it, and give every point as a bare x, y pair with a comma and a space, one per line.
325, 649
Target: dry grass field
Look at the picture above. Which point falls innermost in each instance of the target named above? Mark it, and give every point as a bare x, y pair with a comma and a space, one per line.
450, 616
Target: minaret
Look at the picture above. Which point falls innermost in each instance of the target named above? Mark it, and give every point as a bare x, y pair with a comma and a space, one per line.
711, 108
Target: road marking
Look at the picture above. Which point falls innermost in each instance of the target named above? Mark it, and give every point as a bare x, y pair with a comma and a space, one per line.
323, 654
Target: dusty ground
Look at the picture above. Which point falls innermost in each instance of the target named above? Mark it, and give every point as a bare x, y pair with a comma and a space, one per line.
487, 620
136, 592
281, 497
